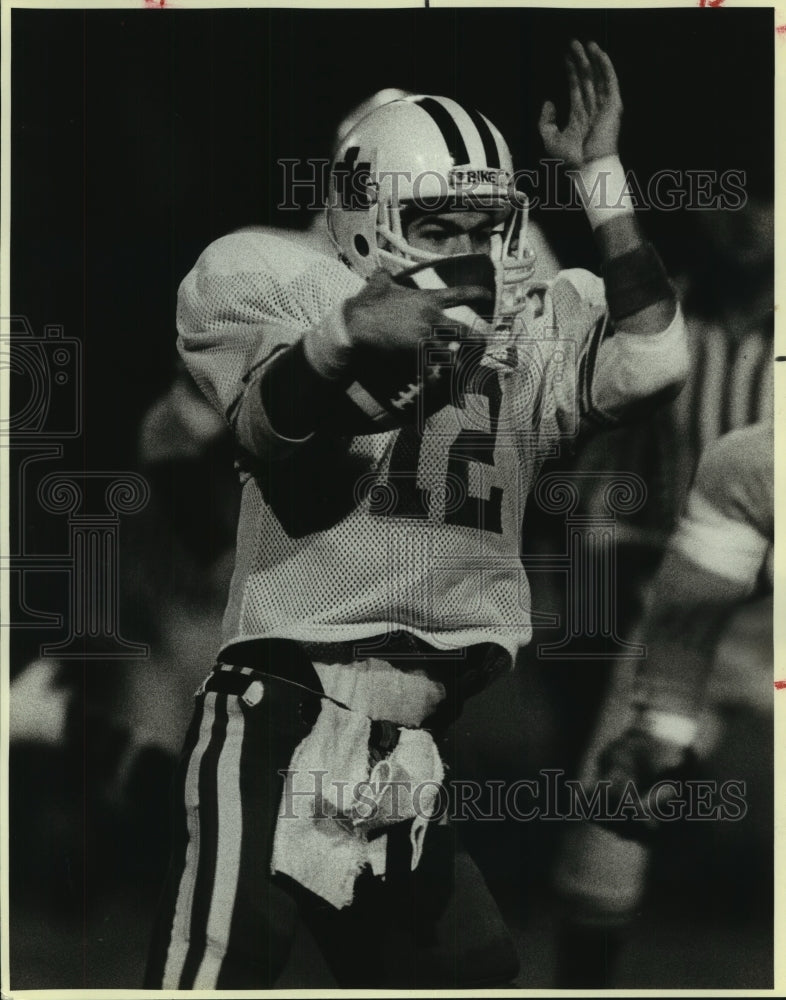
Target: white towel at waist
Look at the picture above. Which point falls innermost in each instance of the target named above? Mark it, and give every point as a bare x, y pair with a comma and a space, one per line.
381, 690
332, 799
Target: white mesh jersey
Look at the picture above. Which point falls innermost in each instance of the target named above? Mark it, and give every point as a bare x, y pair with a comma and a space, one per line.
341, 540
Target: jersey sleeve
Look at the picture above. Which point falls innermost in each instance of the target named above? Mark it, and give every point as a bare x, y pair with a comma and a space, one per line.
713, 563
728, 524
623, 375
249, 296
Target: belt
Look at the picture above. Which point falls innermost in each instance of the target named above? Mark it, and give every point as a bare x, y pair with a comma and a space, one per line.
287, 661
282, 658
249, 685
228, 679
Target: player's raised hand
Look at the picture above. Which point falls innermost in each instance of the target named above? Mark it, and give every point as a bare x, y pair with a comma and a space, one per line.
593, 125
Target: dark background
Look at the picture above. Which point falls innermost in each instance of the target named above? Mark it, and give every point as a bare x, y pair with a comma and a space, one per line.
141, 135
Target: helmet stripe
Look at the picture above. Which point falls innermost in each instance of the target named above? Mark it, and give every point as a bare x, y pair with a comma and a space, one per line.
486, 137
447, 125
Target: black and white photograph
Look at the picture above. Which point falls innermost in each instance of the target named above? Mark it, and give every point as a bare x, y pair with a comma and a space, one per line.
389, 403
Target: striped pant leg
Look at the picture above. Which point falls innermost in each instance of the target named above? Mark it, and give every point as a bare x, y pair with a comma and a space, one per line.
223, 923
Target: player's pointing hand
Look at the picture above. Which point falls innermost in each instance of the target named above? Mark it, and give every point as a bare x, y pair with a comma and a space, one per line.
388, 317
593, 125
379, 347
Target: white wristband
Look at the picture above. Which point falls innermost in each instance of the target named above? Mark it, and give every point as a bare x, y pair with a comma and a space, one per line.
671, 727
603, 190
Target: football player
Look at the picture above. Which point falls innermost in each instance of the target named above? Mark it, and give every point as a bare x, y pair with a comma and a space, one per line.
391, 404
719, 560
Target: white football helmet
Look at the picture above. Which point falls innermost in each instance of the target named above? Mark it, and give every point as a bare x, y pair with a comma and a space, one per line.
426, 153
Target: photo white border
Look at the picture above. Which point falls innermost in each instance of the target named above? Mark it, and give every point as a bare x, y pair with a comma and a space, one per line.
779, 42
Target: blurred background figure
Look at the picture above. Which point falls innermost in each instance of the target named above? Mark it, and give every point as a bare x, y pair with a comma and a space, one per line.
728, 299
